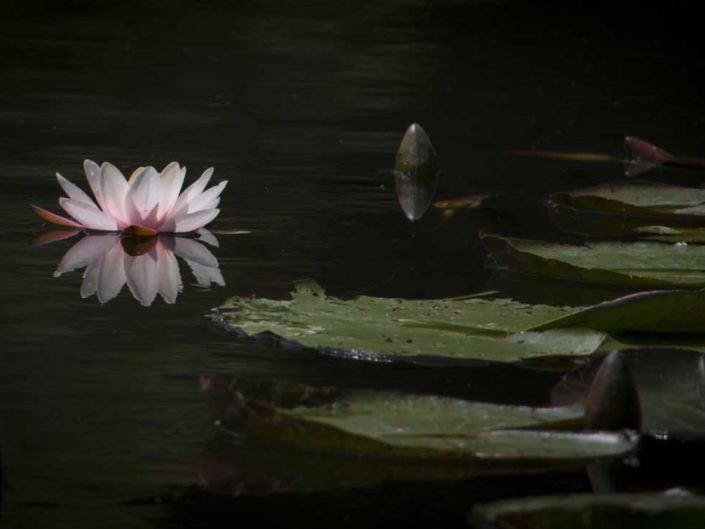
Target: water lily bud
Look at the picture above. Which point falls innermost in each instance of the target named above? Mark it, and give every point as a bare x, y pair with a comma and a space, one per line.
613, 400
416, 174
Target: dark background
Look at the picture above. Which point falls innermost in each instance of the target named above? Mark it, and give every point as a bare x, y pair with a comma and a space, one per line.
301, 106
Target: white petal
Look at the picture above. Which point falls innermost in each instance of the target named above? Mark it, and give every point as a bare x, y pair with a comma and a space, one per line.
203, 200
89, 249
191, 192
74, 192
212, 204
90, 216
190, 222
171, 180
114, 188
169, 276
111, 276
134, 174
143, 277
142, 196
93, 176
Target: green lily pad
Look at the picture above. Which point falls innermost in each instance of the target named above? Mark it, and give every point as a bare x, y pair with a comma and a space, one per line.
672, 510
659, 311
668, 234
421, 331
638, 264
619, 208
648, 199
393, 426
253, 468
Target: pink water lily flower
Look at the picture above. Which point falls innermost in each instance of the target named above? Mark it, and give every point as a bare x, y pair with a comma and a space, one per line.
148, 203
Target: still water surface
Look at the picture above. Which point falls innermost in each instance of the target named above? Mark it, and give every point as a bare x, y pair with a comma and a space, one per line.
301, 109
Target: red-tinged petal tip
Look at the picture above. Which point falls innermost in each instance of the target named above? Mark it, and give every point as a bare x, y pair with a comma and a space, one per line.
140, 231
53, 218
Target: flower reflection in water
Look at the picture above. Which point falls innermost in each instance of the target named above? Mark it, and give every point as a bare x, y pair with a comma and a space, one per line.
147, 265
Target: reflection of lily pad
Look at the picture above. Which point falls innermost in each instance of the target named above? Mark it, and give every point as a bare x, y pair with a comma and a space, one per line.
672, 510
384, 329
639, 264
395, 426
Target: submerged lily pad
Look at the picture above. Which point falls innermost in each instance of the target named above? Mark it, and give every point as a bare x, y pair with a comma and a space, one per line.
394, 426
426, 331
639, 264
672, 510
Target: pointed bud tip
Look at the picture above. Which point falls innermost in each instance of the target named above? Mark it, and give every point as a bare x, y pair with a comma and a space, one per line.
415, 130
613, 400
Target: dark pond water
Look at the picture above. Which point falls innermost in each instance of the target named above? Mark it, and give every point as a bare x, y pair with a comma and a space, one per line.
301, 106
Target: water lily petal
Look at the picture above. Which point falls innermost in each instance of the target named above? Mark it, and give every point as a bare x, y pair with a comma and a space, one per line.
53, 218
89, 216
192, 250
171, 180
191, 193
143, 276
134, 174
74, 192
142, 200
85, 251
190, 222
92, 171
212, 204
169, 276
206, 198
111, 275
114, 187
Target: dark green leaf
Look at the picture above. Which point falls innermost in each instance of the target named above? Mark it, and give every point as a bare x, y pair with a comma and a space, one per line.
676, 311
638, 264
436, 430
430, 331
